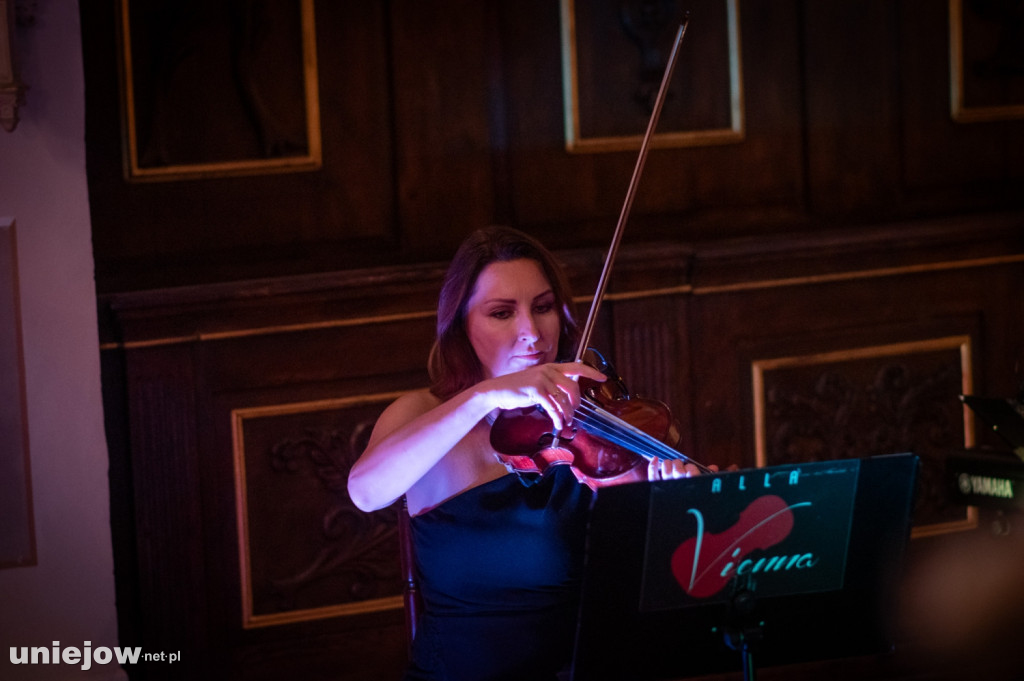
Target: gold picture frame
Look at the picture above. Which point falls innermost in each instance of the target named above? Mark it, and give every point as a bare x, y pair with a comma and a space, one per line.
966, 43
725, 126
216, 91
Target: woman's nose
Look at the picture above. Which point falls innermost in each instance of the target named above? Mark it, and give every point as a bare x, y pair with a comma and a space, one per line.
528, 328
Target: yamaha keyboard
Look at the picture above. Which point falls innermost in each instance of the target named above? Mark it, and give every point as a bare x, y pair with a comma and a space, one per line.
991, 478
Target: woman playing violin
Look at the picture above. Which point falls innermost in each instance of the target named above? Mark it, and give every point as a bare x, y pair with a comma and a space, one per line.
499, 560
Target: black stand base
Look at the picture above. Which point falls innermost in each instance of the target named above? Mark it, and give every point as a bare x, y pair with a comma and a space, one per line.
743, 630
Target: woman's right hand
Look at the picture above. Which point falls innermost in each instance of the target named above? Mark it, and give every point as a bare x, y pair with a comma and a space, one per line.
553, 387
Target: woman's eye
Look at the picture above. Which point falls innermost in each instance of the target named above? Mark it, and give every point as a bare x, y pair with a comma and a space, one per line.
501, 314
544, 308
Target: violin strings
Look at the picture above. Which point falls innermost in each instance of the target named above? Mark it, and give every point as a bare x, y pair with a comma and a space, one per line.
601, 425
627, 435
648, 448
633, 437
624, 433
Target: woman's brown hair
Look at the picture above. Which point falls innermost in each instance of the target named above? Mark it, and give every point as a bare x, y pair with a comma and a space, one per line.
453, 363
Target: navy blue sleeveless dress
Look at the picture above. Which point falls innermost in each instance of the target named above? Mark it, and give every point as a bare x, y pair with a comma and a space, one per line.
499, 570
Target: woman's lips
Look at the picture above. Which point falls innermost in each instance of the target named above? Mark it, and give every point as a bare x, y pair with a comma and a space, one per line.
530, 357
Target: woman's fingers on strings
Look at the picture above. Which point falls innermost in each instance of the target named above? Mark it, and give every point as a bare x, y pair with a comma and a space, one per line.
554, 389
689, 469
675, 469
565, 392
659, 469
670, 469
552, 403
559, 398
654, 469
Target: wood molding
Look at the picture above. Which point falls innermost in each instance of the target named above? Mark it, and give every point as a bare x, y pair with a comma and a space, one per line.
388, 294
329, 549
835, 414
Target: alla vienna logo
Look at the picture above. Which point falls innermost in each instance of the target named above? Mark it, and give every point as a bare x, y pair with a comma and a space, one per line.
705, 563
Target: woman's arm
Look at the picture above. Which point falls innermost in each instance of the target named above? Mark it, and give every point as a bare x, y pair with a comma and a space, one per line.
417, 430
410, 437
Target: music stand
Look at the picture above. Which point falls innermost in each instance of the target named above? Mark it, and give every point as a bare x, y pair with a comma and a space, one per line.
787, 563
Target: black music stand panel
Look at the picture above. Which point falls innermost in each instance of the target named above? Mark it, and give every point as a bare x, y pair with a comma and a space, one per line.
672, 567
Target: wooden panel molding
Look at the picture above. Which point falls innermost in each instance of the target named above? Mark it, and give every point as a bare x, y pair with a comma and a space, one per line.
305, 551
863, 401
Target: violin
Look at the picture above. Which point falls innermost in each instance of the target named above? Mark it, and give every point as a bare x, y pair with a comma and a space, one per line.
613, 433
612, 436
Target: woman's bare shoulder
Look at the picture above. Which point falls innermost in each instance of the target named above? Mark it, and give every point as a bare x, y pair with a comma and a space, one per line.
406, 408
418, 401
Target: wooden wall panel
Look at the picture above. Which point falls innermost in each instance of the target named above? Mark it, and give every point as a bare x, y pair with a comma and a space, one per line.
866, 401
946, 162
149, 234
247, 546
815, 348
168, 556
868, 365
650, 335
851, 106
443, 120
686, 193
314, 584
440, 117
306, 551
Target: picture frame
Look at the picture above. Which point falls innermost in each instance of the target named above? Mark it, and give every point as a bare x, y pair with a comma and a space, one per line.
609, 86
984, 83
218, 90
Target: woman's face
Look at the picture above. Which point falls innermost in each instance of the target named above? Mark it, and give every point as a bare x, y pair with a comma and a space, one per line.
512, 317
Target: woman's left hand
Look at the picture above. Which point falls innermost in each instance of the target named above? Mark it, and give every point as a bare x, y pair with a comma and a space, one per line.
671, 469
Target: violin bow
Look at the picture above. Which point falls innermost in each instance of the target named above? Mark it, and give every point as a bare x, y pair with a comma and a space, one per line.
602, 283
